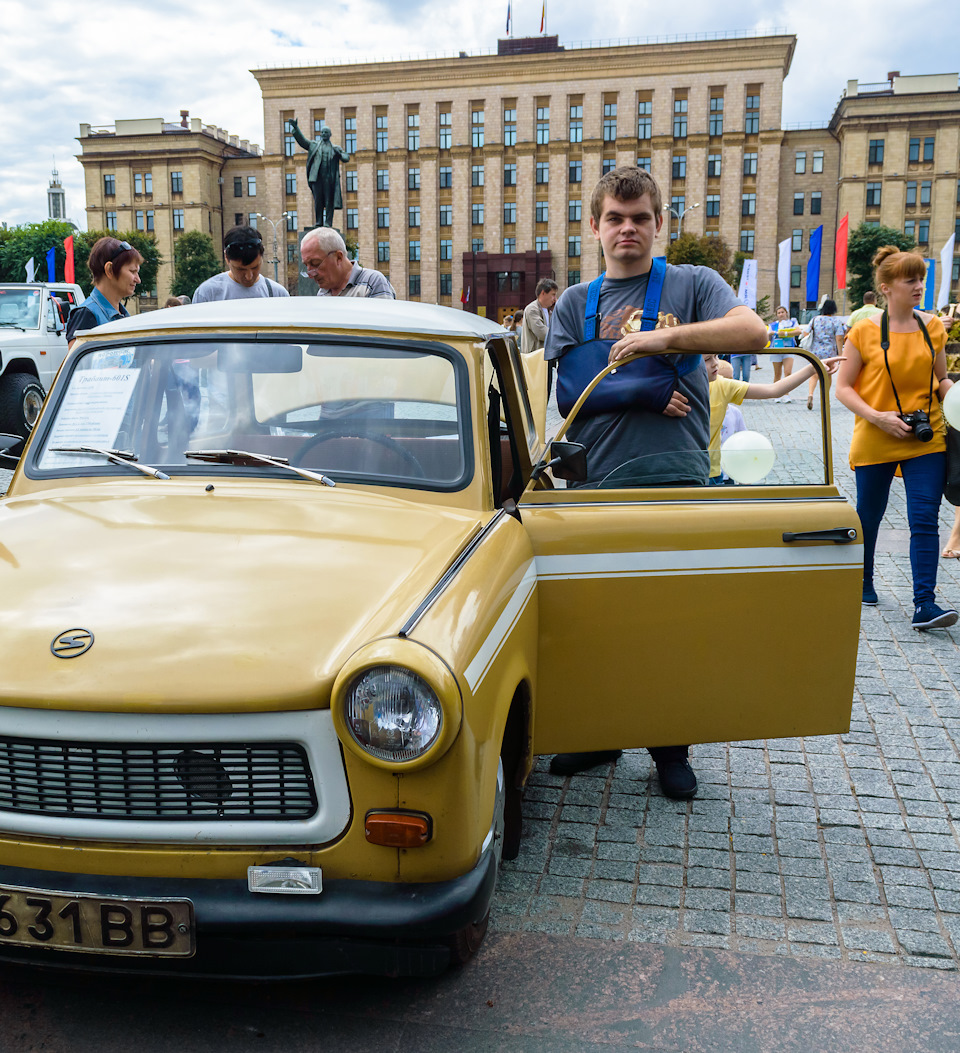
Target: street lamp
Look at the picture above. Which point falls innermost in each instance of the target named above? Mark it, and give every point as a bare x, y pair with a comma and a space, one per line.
274, 223
681, 214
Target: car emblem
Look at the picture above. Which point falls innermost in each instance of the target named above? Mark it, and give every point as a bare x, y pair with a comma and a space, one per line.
72, 643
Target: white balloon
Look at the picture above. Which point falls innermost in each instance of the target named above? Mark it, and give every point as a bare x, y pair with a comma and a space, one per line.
951, 406
747, 456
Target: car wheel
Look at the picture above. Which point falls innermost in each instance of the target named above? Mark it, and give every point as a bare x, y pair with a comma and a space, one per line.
21, 398
465, 943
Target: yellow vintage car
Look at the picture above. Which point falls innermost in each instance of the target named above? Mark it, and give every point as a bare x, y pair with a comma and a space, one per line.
292, 592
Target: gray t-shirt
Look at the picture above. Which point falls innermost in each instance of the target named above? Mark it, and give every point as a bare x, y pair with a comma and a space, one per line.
671, 449
223, 287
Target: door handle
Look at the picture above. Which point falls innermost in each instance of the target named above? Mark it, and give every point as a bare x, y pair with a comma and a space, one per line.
838, 535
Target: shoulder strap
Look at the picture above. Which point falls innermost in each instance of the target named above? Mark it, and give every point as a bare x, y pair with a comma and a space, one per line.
651, 304
269, 286
591, 313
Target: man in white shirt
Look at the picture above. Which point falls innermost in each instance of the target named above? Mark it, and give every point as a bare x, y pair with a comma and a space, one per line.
242, 280
536, 316
325, 259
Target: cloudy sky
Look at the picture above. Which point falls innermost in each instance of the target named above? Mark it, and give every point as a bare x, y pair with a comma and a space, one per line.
152, 60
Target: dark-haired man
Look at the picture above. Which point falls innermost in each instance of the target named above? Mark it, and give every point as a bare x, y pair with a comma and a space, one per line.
536, 316
242, 280
698, 311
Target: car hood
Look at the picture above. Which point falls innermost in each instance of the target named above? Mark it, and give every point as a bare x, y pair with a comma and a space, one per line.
247, 597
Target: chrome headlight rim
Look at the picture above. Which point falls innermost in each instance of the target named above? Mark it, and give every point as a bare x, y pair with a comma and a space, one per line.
402, 677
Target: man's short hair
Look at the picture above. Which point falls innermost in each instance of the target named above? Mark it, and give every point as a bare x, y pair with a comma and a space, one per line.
243, 243
626, 184
869, 296
327, 239
546, 285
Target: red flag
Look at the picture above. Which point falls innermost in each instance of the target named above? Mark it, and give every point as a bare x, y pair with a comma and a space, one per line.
543, 17
840, 253
68, 265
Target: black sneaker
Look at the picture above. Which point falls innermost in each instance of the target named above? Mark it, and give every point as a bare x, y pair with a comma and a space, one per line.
930, 616
677, 779
870, 598
571, 763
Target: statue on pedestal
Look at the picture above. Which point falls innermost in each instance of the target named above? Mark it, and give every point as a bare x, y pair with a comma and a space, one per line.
323, 172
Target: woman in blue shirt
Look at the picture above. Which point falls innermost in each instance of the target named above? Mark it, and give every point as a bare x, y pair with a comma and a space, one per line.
115, 266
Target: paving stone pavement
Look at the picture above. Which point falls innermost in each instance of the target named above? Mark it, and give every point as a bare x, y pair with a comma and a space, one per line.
830, 847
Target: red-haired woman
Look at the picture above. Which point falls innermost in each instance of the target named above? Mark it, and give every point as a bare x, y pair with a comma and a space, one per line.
115, 266
893, 379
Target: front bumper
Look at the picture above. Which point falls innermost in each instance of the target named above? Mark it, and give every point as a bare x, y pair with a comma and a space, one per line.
384, 928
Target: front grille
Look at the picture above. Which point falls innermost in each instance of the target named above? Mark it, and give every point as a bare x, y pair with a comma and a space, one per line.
164, 782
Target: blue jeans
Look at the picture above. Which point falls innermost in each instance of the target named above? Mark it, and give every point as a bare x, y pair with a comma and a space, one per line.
923, 479
741, 366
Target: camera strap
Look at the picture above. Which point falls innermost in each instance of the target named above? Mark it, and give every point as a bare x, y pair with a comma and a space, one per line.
885, 344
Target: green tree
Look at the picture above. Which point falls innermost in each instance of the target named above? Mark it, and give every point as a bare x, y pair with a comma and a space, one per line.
701, 252
33, 239
195, 259
861, 248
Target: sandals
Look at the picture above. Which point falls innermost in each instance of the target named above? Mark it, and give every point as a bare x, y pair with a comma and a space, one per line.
810, 402
950, 553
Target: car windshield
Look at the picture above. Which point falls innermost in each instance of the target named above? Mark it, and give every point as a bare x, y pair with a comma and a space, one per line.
20, 307
372, 413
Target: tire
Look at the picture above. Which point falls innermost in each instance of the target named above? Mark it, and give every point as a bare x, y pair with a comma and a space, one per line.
21, 398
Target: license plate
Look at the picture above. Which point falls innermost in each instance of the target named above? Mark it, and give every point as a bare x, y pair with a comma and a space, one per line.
70, 921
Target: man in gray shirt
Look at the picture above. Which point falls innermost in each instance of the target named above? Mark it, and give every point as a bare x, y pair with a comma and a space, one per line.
698, 312
242, 280
325, 258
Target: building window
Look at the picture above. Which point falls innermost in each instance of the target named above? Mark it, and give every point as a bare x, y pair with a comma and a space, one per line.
476, 126
923, 231
112, 220
714, 165
252, 218
573, 278
509, 245
138, 183
476, 175
476, 213
446, 177
383, 135
149, 220
509, 127
140, 220
353, 218
873, 195
798, 204
713, 205
679, 166
679, 204
796, 243
541, 211
576, 124
746, 241
413, 251
510, 175
177, 220
574, 211
643, 163
251, 186
748, 204
750, 162
476, 244
413, 131
543, 125
510, 212
928, 148
573, 246
679, 118
291, 252
148, 182
913, 153
543, 172
911, 192
800, 162
413, 284
383, 179
350, 134
176, 182
238, 186
446, 284
413, 216
290, 182
292, 220
795, 276
815, 203
644, 119
608, 165
446, 130
413, 179
925, 193
383, 252
383, 217
609, 122
238, 219
817, 161
446, 249
875, 155
289, 142
575, 174
751, 124
446, 215
716, 115
910, 228
351, 181
542, 244
109, 186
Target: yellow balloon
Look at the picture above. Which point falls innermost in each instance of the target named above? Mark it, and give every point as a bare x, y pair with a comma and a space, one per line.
747, 457
951, 406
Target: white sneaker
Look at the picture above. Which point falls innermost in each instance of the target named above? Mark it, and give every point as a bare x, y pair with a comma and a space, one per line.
786, 398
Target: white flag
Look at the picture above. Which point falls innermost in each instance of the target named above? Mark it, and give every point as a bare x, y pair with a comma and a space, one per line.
946, 271
783, 273
748, 284
29, 270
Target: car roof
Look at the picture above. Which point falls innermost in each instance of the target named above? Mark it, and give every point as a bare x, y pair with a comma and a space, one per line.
309, 312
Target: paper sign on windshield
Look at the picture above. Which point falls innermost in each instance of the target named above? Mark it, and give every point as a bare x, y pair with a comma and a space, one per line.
91, 414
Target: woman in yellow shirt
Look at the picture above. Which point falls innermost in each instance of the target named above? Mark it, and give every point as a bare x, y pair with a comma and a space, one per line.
893, 378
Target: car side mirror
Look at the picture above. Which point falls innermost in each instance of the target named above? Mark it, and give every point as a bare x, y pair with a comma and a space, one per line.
568, 461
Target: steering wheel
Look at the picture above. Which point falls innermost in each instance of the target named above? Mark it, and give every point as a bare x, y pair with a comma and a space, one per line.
405, 457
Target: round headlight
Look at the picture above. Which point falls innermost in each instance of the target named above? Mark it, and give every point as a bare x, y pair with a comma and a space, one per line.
393, 713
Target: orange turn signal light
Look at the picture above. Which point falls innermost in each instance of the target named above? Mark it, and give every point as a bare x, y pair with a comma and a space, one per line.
398, 829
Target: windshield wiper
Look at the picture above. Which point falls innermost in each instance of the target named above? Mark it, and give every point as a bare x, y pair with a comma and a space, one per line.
239, 457
15, 325
117, 456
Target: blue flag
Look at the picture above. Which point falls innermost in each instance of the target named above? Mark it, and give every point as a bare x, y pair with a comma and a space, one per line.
926, 304
51, 264
813, 265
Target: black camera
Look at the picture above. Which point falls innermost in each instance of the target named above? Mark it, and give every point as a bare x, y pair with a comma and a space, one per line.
919, 423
